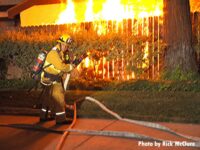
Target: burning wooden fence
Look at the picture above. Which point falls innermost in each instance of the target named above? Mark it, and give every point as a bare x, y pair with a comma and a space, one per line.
116, 69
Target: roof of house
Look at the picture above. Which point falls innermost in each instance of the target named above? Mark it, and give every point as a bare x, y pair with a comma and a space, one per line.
5, 5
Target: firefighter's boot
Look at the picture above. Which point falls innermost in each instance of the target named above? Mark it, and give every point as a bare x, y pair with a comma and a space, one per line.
46, 115
61, 118
43, 115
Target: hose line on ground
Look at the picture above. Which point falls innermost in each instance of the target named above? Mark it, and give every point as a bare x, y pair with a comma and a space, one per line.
143, 123
196, 140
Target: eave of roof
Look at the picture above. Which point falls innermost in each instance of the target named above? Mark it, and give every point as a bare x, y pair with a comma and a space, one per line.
9, 2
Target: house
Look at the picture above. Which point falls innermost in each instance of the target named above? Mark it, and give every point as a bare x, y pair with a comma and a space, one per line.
5, 5
31, 14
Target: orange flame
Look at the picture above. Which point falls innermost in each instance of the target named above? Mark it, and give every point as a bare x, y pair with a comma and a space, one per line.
87, 62
89, 11
92, 10
68, 15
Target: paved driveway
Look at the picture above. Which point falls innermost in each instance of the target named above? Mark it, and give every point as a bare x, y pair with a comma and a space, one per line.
17, 139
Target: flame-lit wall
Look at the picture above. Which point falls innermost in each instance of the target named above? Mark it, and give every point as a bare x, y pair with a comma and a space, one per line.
52, 14
40, 15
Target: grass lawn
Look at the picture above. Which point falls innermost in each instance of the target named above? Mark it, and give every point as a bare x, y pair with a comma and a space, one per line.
177, 106
151, 106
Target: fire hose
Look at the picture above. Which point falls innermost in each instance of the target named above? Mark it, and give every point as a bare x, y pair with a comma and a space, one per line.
143, 123
156, 126
59, 145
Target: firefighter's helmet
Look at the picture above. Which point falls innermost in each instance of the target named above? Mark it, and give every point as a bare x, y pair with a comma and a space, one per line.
65, 39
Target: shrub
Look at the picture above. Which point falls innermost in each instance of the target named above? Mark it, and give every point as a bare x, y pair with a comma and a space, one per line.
21, 45
179, 75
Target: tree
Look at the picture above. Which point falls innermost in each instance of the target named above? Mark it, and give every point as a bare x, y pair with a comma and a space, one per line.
178, 37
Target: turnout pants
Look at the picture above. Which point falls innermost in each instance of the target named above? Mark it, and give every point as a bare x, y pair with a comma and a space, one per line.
54, 103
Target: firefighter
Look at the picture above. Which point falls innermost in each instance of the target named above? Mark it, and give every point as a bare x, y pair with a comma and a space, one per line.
51, 77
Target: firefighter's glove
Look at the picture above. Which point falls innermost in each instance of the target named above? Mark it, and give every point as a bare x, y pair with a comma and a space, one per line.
77, 61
